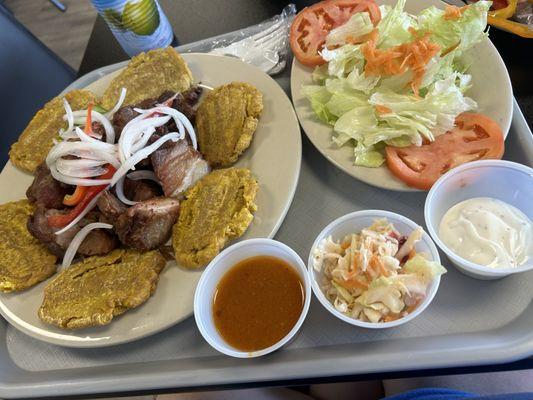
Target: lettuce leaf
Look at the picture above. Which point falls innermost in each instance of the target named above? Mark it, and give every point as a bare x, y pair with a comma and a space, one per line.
465, 31
382, 290
318, 96
423, 268
357, 122
358, 25
368, 156
429, 116
341, 61
394, 26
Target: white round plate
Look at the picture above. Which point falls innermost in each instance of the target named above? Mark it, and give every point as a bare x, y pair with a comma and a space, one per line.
273, 157
491, 90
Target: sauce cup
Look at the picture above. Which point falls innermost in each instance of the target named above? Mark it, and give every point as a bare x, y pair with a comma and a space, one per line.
503, 180
217, 268
355, 222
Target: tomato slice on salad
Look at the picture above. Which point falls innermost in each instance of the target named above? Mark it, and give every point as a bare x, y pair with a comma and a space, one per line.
475, 137
311, 26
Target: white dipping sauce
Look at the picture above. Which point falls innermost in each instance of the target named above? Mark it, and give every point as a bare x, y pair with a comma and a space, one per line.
488, 232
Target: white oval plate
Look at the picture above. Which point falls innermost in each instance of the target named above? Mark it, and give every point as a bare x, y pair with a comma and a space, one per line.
491, 90
273, 157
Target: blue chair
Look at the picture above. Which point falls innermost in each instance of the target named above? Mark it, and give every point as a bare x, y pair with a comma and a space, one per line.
30, 75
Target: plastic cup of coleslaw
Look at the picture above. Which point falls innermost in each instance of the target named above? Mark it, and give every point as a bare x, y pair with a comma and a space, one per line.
354, 223
503, 180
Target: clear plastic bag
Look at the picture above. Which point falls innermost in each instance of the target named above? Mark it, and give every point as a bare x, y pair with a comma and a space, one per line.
265, 45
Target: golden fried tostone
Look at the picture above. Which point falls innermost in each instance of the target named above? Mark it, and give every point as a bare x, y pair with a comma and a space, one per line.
217, 208
95, 290
147, 76
227, 120
24, 261
36, 140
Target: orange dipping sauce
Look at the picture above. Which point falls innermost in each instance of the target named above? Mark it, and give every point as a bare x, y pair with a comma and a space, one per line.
257, 303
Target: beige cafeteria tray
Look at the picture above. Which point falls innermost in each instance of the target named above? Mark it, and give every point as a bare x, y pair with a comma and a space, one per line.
470, 322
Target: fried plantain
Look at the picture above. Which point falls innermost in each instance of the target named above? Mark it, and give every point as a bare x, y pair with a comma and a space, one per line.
24, 261
226, 121
217, 208
36, 140
93, 291
147, 76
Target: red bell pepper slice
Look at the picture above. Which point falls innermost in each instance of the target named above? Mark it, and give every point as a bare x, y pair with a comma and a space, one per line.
61, 220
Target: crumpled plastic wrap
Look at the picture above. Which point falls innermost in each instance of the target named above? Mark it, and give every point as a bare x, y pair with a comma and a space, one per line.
265, 45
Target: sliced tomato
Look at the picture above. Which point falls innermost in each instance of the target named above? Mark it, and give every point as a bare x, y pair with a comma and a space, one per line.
475, 137
311, 26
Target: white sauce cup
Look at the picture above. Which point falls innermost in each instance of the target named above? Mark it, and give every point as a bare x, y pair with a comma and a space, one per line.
503, 180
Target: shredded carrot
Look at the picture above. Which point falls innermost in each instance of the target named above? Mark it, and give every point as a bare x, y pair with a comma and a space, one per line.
378, 266
382, 109
395, 61
355, 283
354, 262
411, 254
453, 12
412, 307
391, 317
345, 245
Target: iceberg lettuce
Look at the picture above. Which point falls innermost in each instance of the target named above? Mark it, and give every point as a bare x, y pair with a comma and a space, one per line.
358, 25
463, 32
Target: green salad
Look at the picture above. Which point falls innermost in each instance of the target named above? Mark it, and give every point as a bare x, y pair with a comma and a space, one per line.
404, 84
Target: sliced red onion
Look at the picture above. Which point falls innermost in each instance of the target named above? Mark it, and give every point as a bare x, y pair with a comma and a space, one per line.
85, 137
78, 239
79, 163
409, 244
89, 207
142, 174
69, 117
142, 154
121, 98
142, 141
119, 189
81, 170
81, 115
134, 131
168, 102
67, 135
93, 150
69, 180
180, 119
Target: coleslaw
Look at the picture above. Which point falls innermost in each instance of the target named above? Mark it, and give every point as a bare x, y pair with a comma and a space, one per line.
398, 83
375, 275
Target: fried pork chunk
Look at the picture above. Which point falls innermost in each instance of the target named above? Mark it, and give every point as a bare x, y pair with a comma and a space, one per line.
148, 224
177, 167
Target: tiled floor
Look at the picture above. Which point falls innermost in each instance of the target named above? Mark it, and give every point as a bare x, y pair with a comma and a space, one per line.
65, 33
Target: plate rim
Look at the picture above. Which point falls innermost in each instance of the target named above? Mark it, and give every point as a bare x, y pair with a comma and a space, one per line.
33, 331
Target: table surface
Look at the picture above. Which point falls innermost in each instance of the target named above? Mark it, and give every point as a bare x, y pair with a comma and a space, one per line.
208, 18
